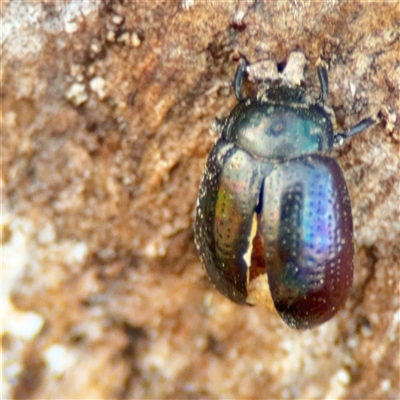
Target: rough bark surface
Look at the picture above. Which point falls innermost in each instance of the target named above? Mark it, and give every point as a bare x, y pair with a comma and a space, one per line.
107, 109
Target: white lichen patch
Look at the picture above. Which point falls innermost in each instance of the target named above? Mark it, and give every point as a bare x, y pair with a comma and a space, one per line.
155, 249
187, 4
28, 251
338, 384
307, 354
135, 40
98, 85
24, 325
20, 327
77, 94
26, 24
59, 359
130, 39
293, 73
263, 70
47, 234
71, 26
76, 252
164, 359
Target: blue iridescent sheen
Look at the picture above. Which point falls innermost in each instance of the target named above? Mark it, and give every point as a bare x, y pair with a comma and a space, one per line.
307, 231
279, 131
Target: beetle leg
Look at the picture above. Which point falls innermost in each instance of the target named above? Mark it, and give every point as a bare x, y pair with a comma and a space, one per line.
323, 80
238, 79
354, 130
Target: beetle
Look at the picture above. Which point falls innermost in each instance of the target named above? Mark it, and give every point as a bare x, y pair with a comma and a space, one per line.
273, 205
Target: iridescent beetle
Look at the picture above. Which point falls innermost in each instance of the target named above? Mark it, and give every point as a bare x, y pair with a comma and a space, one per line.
273, 206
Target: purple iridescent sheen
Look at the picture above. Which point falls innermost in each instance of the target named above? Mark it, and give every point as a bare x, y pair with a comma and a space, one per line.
307, 230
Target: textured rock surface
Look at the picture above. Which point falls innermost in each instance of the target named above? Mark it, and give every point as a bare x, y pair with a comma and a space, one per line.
106, 125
